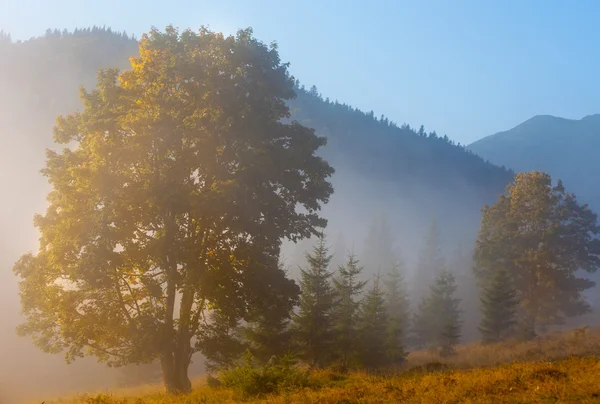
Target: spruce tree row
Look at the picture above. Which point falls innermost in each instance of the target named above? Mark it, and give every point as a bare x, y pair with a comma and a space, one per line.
341, 320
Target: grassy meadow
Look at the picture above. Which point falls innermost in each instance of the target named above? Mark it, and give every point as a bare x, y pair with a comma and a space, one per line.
556, 368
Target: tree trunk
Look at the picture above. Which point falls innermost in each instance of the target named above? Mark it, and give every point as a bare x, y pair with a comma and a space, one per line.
175, 374
175, 357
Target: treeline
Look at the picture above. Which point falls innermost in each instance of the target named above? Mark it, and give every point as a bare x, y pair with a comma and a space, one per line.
341, 319
39, 77
531, 244
386, 150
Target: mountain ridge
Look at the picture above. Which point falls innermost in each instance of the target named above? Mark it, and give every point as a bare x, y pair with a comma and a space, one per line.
565, 148
536, 121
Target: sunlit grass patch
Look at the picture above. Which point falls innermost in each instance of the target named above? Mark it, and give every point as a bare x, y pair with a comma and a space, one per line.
567, 380
554, 368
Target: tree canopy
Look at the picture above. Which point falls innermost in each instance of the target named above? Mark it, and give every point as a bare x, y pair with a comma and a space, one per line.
541, 236
179, 185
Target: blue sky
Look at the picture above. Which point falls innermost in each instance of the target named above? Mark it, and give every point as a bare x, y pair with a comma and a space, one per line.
464, 68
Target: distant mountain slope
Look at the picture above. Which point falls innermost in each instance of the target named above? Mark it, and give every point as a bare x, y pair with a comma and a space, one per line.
566, 149
378, 147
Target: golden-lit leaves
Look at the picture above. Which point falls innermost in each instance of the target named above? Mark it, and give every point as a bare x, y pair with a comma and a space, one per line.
542, 236
179, 173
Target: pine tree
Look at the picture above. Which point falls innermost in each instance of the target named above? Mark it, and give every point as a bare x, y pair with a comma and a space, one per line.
268, 335
220, 341
461, 265
373, 326
437, 323
431, 261
498, 305
398, 310
313, 323
347, 289
268, 332
379, 251
339, 251
450, 334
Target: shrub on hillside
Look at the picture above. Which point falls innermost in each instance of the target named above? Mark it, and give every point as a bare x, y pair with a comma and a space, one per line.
250, 379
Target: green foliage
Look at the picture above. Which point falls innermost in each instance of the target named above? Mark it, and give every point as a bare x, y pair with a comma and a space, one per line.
541, 236
250, 379
179, 188
398, 311
347, 288
313, 324
373, 327
437, 323
220, 342
268, 331
498, 305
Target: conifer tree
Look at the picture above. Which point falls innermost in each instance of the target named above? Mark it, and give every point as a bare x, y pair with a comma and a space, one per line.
450, 334
437, 323
347, 288
498, 305
398, 310
379, 252
313, 323
220, 341
461, 264
431, 261
268, 332
373, 325
339, 250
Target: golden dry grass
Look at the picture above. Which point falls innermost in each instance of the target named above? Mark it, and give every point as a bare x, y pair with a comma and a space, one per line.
556, 368
577, 342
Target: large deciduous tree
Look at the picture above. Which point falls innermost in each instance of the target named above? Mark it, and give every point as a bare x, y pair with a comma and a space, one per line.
180, 183
541, 236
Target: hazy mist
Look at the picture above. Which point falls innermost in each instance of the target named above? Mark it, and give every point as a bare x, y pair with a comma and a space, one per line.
360, 198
